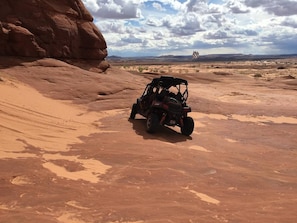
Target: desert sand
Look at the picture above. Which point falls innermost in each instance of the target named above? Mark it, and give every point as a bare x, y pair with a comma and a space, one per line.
69, 153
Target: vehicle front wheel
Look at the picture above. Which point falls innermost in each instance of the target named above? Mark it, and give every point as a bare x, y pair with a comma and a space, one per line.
152, 123
133, 111
188, 126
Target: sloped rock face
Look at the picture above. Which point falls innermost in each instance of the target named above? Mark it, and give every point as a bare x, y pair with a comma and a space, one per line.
49, 28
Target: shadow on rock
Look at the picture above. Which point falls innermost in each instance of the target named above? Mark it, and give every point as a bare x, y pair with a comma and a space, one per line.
10, 61
163, 133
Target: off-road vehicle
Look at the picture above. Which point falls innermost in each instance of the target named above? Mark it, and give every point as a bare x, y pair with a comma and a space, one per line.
163, 102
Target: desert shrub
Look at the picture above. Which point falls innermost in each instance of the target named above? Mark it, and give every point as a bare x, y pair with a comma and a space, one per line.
289, 77
222, 73
140, 69
258, 75
281, 68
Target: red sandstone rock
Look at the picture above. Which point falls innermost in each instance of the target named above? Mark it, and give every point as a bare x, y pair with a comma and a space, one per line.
49, 28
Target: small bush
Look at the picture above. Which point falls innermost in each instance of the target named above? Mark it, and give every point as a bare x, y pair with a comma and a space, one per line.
222, 73
140, 69
290, 77
281, 68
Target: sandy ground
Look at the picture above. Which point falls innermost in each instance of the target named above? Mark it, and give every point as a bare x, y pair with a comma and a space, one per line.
69, 154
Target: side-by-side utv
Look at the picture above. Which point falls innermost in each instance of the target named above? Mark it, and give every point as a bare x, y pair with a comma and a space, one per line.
163, 102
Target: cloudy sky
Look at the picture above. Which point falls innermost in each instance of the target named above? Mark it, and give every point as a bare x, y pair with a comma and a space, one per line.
166, 27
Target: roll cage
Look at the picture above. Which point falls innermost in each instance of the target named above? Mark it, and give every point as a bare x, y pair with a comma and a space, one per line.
176, 86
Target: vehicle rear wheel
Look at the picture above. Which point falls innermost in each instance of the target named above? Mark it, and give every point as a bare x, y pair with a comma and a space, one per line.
133, 111
188, 126
152, 123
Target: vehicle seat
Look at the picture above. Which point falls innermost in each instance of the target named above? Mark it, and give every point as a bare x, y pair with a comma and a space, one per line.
179, 97
162, 94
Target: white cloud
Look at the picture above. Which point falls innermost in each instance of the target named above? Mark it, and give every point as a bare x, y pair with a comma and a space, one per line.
237, 7
217, 35
153, 22
148, 27
276, 7
114, 9
91, 5
132, 39
158, 6
174, 4
290, 22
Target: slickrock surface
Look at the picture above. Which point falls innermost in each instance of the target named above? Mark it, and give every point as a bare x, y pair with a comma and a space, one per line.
69, 154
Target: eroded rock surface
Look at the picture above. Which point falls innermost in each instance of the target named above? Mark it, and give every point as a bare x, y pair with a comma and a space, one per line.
49, 28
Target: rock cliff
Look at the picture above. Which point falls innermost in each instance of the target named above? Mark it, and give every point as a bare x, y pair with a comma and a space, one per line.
49, 28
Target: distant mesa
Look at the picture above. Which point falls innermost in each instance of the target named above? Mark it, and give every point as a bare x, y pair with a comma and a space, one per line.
196, 57
49, 28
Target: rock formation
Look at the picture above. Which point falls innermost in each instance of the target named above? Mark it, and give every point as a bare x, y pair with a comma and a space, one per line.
49, 28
